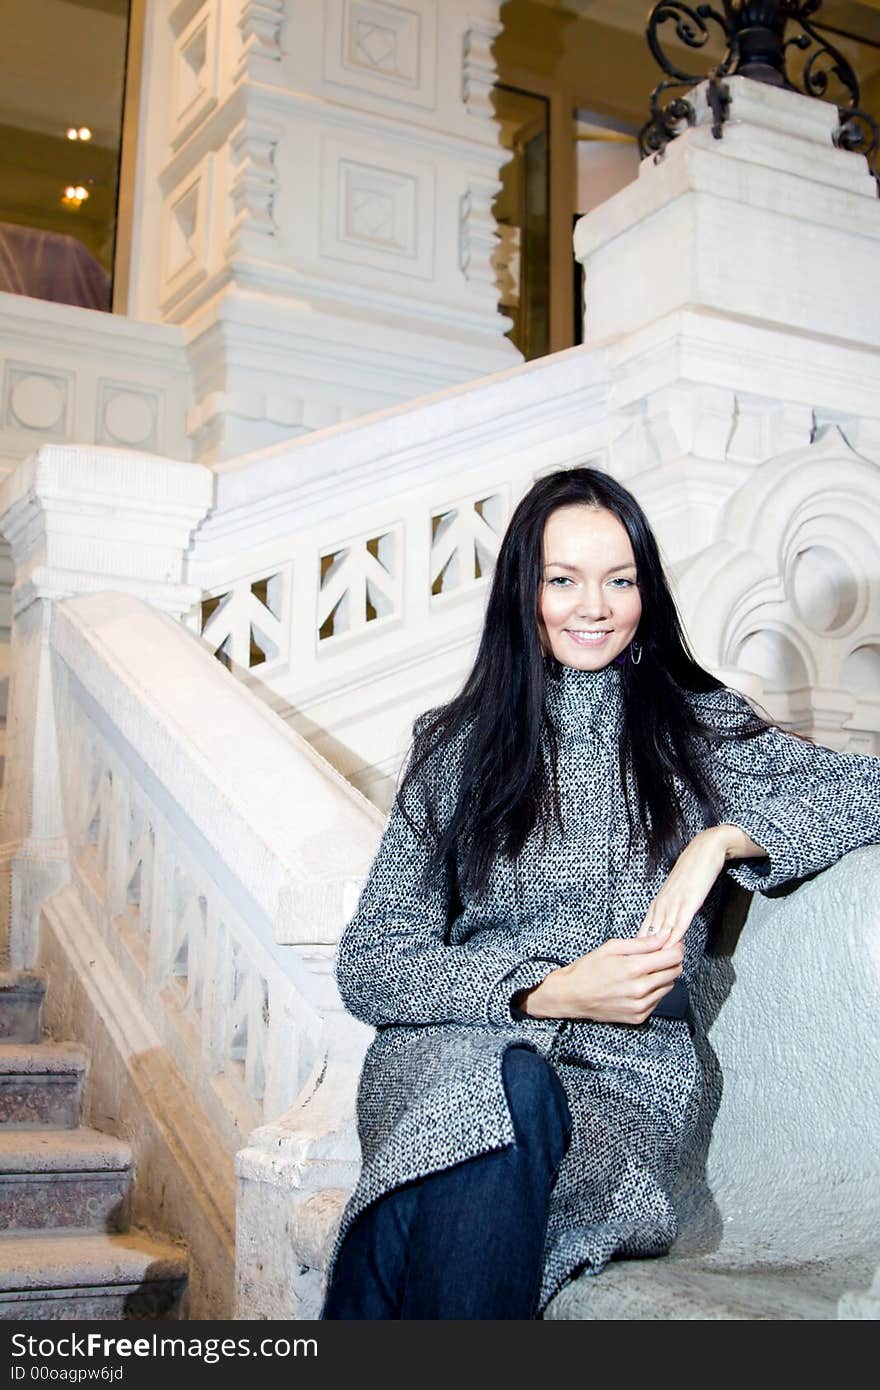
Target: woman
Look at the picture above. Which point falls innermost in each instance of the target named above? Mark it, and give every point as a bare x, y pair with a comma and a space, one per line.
537, 908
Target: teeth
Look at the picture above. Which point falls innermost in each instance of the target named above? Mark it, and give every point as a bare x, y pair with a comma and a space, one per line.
586, 636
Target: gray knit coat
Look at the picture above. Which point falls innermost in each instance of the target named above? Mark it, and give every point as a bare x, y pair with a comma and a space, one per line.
438, 988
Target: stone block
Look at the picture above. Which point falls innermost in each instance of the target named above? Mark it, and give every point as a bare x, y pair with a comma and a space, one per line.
72, 1277
62, 1179
61, 1201
118, 1303
21, 1002
41, 1085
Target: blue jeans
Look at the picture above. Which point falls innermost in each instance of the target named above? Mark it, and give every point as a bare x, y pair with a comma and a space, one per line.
467, 1242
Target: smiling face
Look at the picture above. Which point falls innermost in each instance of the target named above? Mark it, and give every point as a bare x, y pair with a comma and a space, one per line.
590, 605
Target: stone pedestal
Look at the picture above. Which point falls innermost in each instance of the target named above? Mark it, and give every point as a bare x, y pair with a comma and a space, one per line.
314, 207
771, 223
77, 521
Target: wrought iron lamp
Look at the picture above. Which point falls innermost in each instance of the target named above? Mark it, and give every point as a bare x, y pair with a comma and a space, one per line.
759, 35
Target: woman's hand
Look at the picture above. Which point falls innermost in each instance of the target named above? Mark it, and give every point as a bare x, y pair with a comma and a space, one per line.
691, 878
622, 981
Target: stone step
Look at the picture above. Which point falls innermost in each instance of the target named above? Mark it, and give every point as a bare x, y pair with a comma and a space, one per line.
730, 1284
70, 1277
41, 1084
21, 1000
61, 1179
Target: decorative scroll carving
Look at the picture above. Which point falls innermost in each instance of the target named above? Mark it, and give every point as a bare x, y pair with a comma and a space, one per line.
507, 261
260, 25
757, 45
255, 181
858, 131
478, 71
478, 232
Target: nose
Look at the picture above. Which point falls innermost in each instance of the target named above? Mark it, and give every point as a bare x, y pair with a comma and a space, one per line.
593, 602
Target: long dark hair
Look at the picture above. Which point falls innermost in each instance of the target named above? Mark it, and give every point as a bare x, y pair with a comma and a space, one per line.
506, 786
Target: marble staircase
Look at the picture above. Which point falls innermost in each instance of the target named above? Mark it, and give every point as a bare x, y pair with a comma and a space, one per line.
67, 1249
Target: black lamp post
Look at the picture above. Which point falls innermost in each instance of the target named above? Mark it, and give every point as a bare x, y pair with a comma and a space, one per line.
757, 45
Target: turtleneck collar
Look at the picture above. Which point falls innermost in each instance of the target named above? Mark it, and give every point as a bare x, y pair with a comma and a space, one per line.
579, 701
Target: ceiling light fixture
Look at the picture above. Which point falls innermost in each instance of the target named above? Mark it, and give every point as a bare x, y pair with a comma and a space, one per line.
74, 196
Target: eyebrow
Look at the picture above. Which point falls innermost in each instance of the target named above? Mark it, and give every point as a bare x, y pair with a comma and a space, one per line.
560, 565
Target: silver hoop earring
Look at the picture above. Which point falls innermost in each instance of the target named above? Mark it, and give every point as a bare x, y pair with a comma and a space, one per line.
634, 658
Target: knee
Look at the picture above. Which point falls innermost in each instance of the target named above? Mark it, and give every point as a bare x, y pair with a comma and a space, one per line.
536, 1097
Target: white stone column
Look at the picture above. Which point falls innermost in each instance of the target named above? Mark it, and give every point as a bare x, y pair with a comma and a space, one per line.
314, 206
77, 521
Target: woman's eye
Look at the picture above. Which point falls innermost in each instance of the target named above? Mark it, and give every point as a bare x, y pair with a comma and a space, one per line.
620, 582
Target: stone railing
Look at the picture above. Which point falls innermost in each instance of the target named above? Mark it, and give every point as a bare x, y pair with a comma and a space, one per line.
182, 862
346, 573
215, 859
204, 900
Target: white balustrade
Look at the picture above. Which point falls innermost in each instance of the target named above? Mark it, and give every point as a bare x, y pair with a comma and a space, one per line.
195, 961
213, 860
346, 573
197, 938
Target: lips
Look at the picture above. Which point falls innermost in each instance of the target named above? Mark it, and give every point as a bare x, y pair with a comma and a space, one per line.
585, 638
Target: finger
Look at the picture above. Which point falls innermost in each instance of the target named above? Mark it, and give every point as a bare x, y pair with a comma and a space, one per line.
674, 917
643, 985
679, 929
635, 945
657, 919
651, 1001
660, 983
647, 927
644, 966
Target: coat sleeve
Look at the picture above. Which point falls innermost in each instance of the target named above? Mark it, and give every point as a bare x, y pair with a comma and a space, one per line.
394, 964
805, 805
